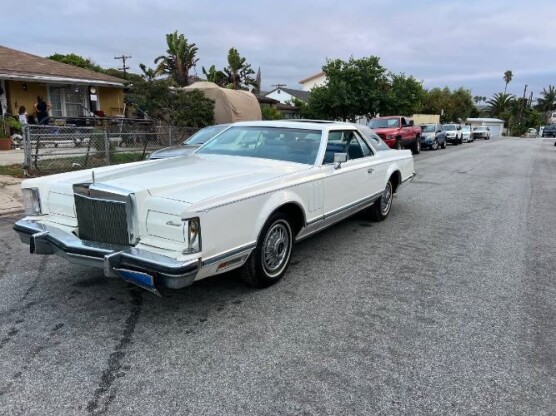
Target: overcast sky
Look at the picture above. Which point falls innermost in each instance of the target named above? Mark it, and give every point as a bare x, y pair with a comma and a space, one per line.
441, 42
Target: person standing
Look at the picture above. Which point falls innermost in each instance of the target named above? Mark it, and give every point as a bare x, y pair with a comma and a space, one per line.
22, 115
42, 111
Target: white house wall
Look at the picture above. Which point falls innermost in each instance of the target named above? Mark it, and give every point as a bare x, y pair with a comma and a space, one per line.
315, 82
281, 96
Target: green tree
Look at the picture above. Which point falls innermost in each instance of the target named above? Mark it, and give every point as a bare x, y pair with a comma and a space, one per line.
547, 102
271, 113
500, 104
238, 72
213, 75
354, 88
404, 96
76, 60
456, 105
508, 75
180, 57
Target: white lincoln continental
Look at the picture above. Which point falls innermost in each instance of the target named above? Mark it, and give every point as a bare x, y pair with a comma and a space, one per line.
240, 201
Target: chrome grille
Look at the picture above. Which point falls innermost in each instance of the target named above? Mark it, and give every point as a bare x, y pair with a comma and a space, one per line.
101, 220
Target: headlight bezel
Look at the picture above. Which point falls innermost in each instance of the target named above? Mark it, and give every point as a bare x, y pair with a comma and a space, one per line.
193, 236
31, 201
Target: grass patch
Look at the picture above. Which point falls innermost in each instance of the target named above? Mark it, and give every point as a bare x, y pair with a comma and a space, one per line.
12, 170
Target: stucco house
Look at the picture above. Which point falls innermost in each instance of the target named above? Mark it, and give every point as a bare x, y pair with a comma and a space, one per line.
72, 91
286, 95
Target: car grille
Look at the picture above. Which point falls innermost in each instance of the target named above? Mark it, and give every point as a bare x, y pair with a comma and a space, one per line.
102, 220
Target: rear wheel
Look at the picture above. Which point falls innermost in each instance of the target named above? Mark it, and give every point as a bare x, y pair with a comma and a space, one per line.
271, 257
381, 208
416, 147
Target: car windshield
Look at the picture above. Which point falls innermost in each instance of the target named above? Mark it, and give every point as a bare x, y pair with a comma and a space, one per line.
478, 128
450, 127
373, 138
428, 128
204, 135
466, 128
381, 123
277, 143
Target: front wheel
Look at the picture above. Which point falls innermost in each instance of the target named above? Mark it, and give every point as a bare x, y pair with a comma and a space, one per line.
399, 144
381, 208
271, 257
443, 145
434, 145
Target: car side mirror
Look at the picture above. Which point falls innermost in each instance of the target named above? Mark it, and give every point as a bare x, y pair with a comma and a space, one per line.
339, 158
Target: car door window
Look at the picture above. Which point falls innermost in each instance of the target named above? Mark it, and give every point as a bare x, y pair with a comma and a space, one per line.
345, 141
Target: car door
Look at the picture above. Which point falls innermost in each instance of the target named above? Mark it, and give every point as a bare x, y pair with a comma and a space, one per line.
348, 187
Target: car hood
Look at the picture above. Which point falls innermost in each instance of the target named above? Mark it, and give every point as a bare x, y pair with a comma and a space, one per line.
174, 151
190, 179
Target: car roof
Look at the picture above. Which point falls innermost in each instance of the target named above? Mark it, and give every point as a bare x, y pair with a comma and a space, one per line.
304, 124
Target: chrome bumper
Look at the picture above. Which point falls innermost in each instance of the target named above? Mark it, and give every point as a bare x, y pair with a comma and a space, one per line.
138, 266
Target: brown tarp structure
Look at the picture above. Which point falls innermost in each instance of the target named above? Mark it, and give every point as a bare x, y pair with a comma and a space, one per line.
229, 105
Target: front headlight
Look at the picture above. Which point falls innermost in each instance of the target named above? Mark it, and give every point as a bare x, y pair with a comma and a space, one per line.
193, 236
31, 201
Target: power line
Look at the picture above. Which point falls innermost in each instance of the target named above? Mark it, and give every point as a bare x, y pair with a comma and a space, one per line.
124, 68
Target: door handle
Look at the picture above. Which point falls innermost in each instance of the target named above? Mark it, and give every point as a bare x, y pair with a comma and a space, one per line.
370, 171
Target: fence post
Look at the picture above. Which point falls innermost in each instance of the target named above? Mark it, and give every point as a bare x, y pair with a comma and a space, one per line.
107, 146
26, 147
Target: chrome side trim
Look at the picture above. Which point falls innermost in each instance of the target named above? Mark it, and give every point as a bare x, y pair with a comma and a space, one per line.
409, 178
229, 254
335, 216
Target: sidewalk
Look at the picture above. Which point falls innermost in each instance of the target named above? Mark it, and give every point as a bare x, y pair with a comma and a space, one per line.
10, 195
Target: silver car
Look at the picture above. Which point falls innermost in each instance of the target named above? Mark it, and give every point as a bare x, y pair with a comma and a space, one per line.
191, 144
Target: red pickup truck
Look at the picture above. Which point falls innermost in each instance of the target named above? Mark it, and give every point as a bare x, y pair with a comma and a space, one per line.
398, 132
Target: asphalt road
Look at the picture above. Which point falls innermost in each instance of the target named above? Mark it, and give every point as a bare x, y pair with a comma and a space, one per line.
447, 307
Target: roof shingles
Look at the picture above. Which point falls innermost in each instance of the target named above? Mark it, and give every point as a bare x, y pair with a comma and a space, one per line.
24, 65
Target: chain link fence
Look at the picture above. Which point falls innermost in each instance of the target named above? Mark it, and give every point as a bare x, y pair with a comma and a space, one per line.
54, 149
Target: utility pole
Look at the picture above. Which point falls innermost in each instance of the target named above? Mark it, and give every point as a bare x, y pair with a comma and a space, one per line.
124, 68
522, 105
279, 85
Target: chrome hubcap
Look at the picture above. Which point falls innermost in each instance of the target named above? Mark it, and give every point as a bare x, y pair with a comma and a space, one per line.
276, 248
386, 200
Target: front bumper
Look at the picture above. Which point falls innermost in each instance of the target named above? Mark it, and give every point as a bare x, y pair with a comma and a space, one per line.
138, 266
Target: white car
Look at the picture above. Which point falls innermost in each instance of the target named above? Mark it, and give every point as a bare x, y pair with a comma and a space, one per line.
480, 132
466, 135
240, 201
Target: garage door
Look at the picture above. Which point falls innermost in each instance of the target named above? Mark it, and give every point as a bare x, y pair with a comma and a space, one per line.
495, 131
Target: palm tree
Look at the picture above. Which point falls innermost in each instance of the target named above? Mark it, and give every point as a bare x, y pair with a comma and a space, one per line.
213, 75
547, 102
180, 58
499, 104
508, 75
238, 70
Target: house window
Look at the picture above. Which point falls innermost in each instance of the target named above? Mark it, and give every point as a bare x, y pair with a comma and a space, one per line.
68, 101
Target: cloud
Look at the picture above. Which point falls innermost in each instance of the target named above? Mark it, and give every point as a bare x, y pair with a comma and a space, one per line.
457, 43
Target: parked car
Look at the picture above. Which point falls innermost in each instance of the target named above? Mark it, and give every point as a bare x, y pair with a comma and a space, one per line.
549, 131
530, 133
466, 135
481, 132
433, 136
191, 144
398, 132
453, 133
240, 201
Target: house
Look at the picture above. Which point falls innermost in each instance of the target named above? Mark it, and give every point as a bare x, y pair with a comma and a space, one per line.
72, 91
287, 95
495, 125
315, 80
